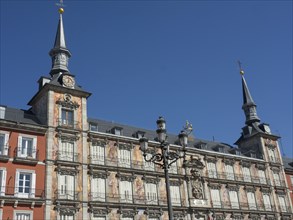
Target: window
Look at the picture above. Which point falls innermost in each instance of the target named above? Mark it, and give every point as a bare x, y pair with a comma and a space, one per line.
2, 112
97, 153
67, 117
173, 168
212, 172
3, 144
124, 157
67, 151
98, 189
221, 149
25, 183
267, 202
215, 197
23, 215
175, 195
2, 182
251, 201
93, 127
125, 188
262, 177
98, 218
291, 178
66, 217
234, 199
151, 193
117, 131
1, 213
27, 146
277, 179
126, 218
271, 153
149, 165
282, 203
246, 174
66, 187
229, 172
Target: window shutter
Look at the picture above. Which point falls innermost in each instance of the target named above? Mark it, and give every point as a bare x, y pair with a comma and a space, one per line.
262, 177
19, 146
234, 199
6, 146
3, 183
101, 186
215, 194
34, 150
229, 172
267, 202
16, 182
282, 203
121, 191
212, 170
70, 186
251, 200
33, 185
246, 174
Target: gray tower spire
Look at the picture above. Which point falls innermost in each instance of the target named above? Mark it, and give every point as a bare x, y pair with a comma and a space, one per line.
59, 54
249, 107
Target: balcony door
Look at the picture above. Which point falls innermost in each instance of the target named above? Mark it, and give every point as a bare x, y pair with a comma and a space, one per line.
66, 187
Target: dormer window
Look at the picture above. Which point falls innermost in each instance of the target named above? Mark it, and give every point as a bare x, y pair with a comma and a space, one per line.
238, 152
201, 145
2, 112
221, 149
140, 134
253, 155
93, 127
117, 131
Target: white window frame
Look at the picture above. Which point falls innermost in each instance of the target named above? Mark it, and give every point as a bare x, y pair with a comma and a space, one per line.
67, 151
212, 170
97, 153
149, 165
98, 189
234, 202
98, 217
66, 217
151, 193
3, 181
5, 146
246, 174
124, 157
291, 178
66, 121
216, 198
32, 188
277, 179
175, 195
251, 200
267, 202
173, 168
283, 207
126, 218
66, 186
20, 146
25, 212
125, 191
262, 177
1, 212
272, 156
229, 172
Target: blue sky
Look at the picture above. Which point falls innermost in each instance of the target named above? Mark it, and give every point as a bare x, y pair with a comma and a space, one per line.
143, 59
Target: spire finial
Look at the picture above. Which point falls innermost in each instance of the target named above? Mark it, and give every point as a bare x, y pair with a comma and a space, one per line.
61, 5
60, 54
240, 68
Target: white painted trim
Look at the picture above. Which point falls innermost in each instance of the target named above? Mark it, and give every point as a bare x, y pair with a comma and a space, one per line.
24, 212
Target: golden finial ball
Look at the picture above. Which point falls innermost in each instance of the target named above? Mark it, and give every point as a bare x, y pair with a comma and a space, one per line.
241, 72
61, 10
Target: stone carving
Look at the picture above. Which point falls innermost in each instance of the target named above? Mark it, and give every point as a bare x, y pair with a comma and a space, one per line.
196, 179
67, 102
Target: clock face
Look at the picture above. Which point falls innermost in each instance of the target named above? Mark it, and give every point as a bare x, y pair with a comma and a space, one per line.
68, 81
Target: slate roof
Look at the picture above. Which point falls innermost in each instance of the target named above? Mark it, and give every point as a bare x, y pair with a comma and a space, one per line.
130, 131
288, 163
20, 116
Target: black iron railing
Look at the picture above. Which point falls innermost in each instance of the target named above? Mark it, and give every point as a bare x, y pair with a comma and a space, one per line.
67, 156
68, 123
22, 192
26, 153
67, 195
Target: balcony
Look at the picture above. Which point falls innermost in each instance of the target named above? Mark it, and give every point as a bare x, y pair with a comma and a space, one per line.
97, 198
67, 195
28, 156
284, 209
237, 177
67, 158
4, 152
22, 195
68, 124
242, 206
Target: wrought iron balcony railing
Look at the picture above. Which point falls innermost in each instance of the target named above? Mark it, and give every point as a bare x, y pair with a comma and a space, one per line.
242, 206
65, 123
22, 192
70, 195
26, 153
67, 156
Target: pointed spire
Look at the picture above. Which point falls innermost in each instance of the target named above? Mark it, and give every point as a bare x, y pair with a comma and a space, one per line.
60, 54
249, 107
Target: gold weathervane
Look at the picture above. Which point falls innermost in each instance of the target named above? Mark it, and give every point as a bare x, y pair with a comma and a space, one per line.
61, 5
241, 70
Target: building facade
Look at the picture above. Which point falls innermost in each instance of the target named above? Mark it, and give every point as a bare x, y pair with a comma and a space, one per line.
93, 169
288, 167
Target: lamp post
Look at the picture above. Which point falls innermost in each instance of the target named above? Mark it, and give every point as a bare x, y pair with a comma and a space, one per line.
166, 157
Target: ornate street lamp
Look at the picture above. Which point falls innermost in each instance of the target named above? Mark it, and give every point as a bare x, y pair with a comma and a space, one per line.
166, 157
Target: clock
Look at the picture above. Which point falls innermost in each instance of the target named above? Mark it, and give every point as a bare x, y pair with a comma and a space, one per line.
68, 81
267, 129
